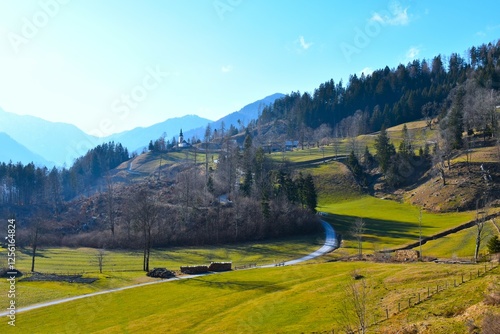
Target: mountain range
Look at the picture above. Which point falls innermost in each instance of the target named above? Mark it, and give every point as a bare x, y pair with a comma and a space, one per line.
32, 139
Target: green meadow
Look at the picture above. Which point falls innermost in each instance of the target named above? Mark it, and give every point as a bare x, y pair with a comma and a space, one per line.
122, 268
294, 299
388, 224
459, 245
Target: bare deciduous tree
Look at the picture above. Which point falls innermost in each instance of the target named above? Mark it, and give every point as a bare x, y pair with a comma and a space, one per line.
99, 259
354, 310
145, 211
110, 204
357, 231
480, 222
35, 231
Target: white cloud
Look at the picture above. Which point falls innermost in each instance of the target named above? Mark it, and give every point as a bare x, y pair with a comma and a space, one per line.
412, 53
303, 44
367, 71
227, 68
395, 16
485, 32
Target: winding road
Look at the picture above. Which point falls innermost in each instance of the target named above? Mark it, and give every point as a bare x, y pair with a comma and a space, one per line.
329, 245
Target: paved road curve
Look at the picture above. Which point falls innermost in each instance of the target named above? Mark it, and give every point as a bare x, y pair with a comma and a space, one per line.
329, 245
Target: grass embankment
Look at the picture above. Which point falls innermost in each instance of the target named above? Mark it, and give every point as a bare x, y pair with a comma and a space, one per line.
418, 131
294, 299
388, 224
149, 163
122, 268
459, 245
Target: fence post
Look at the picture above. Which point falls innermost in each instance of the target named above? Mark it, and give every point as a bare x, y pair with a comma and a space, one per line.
399, 307
437, 288
455, 282
428, 291
387, 313
409, 302
419, 297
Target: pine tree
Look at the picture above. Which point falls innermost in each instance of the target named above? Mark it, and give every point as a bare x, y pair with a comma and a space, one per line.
246, 186
455, 120
405, 147
385, 150
367, 158
353, 163
307, 192
494, 245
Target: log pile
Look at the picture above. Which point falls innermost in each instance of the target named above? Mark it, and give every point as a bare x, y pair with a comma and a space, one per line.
160, 273
220, 266
194, 270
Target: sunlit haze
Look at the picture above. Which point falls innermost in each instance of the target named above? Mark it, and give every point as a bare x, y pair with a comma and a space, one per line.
109, 66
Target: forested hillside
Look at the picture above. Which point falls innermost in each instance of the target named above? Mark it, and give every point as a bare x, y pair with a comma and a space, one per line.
29, 184
388, 96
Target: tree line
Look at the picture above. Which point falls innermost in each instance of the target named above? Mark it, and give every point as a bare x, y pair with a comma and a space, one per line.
29, 184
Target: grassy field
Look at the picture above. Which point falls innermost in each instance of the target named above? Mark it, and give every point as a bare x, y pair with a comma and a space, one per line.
334, 182
296, 299
123, 268
460, 244
418, 132
148, 163
388, 224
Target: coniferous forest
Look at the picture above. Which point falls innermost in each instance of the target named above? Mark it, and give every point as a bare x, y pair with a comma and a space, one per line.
389, 96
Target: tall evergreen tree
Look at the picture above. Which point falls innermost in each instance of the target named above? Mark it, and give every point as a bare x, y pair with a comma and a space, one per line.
384, 150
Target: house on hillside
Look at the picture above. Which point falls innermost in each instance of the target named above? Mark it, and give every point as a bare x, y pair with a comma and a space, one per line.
291, 144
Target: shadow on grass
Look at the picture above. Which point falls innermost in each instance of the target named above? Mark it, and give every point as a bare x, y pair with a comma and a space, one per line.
266, 287
28, 252
376, 228
288, 247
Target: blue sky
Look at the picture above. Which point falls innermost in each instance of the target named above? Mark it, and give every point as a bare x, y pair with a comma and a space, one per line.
109, 66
